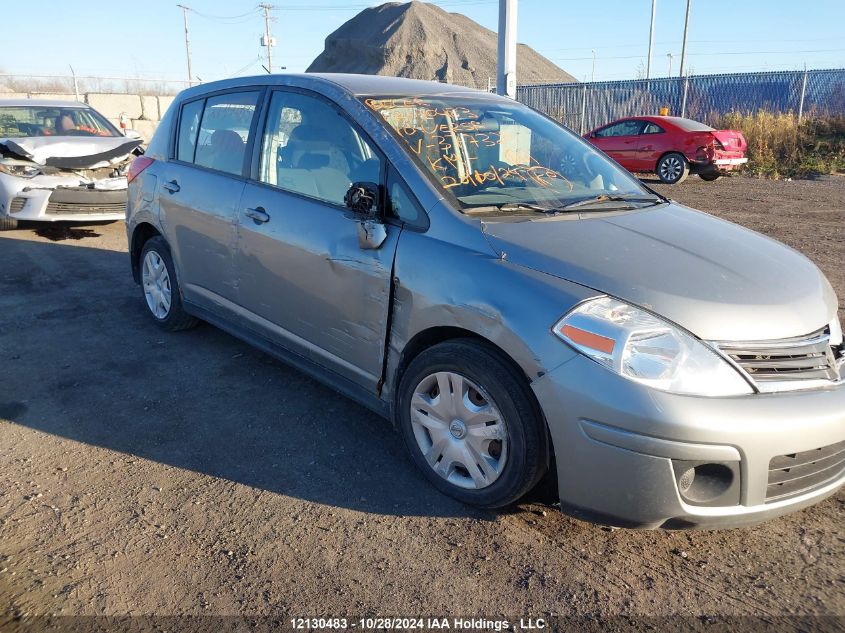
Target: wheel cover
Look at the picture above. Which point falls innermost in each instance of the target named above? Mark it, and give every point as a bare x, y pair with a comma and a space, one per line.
156, 283
671, 168
460, 432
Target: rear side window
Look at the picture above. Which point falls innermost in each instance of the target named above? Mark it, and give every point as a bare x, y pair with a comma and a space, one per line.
189, 124
224, 131
652, 128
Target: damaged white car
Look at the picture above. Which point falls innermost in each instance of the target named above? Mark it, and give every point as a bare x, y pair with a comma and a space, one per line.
61, 161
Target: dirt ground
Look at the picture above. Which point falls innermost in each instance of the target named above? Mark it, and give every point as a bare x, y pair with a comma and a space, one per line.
173, 474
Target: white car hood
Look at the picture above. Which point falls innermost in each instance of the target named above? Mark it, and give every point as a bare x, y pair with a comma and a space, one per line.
72, 152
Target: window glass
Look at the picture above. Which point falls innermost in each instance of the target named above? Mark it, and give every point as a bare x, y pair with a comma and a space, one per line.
311, 149
402, 204
189, 123
623, 128
23, 121
224, 131
688, 125
652, 128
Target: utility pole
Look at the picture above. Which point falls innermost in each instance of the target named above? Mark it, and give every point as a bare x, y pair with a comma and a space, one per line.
651, 39
684, 47
187, 42
268, 40
669, 55
506, 74
593, 76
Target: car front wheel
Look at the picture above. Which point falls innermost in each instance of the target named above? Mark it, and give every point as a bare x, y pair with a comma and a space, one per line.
470, 425
7, 223
673, 168
161, 288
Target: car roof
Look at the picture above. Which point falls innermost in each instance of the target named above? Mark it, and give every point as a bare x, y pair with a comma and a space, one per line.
43, 103
357, 85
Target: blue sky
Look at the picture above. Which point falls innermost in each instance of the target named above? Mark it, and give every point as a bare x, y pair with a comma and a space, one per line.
145, 39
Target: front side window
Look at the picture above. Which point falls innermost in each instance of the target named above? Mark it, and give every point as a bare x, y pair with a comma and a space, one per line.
623, 128
224, 131
485, 152
25, 121
309, 148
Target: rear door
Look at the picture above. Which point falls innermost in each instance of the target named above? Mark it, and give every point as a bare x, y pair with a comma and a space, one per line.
619, 141
304, 281
200, 189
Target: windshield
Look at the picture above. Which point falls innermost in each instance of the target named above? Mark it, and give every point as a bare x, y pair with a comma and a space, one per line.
23, 121
489, 153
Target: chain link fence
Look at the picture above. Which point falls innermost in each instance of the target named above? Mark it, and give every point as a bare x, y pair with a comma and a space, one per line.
585, 106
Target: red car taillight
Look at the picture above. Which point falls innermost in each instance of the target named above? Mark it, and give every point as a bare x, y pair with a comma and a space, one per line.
137, 166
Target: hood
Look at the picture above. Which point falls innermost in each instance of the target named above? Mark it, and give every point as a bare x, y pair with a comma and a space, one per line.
72, 152
714, 278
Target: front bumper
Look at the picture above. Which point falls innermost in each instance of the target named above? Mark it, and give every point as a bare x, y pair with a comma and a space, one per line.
618, 447
77, 204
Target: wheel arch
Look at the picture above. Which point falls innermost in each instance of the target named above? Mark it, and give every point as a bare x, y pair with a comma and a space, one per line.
140, 236
432, 336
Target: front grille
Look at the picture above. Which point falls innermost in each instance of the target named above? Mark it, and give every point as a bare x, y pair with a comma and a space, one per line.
78, 208
793, 474
782, 361
16, 205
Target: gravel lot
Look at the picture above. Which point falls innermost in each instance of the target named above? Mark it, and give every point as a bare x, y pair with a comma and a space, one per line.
147, 473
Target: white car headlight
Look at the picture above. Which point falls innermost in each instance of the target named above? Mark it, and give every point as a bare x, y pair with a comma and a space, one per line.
22, 171
643, 347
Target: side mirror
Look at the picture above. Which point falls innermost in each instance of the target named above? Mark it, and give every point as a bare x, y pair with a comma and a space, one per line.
362, 199
133, 134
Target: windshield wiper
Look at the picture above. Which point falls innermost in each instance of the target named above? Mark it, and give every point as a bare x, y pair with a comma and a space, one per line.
602, 198
511, 206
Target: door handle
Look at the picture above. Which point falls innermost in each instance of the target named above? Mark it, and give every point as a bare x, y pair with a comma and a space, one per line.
171, 187
258, 214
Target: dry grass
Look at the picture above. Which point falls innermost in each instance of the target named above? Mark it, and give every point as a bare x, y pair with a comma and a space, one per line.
780, 146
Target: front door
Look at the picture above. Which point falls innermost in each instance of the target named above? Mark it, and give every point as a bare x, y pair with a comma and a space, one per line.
303, 278
619, 141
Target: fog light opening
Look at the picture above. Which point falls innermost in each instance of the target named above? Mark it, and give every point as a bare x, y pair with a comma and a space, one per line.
704, 483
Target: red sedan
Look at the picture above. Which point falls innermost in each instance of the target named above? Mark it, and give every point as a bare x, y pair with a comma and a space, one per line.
670, 147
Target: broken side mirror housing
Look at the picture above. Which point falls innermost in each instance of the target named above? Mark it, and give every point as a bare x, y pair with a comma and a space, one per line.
362, 198
133, 134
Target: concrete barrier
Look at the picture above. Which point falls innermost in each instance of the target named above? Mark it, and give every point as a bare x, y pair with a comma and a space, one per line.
145, 128
112, 105
60, 96
149, 108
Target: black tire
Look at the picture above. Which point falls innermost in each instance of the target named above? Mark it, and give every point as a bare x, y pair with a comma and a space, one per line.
710, 176
176, 318
528, 448
7, 223
673, 168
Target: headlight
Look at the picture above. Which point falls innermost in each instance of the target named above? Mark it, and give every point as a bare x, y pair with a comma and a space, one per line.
645, 348
22, 171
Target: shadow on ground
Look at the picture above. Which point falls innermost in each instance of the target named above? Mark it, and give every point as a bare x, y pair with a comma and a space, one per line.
79, 358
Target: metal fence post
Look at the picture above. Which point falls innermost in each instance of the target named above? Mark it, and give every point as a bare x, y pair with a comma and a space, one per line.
583, 108
684, 97
803, 92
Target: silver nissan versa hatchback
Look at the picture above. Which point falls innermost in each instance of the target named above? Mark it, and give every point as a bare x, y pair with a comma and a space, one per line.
510, 297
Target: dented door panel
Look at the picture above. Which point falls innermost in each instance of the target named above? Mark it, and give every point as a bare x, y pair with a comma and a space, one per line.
304, 279
198, 217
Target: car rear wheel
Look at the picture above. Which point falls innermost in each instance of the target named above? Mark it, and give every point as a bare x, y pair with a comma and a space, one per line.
7, 223
469, 424
161, 288
673, 168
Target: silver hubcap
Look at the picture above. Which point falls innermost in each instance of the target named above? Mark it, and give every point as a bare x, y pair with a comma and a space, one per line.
671, 168
156, 284
459, 430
